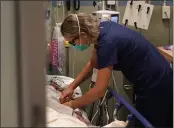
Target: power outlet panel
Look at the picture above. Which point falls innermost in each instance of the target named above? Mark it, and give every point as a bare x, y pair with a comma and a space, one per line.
138, 14
145, 17
132, 12
128, 13
138, 11
165, 12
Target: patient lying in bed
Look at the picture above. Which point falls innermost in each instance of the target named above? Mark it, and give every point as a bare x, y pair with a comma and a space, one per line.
59, 115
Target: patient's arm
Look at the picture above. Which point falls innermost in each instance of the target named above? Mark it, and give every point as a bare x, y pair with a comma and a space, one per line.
86, 72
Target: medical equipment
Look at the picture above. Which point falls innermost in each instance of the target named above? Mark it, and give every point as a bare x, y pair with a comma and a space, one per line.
165, 11
57, 113
103, 15
58, 50
120, 103
76, 5
102, 106
54, 105
106, 15
138, 14
76, 2
48, 25
132, 110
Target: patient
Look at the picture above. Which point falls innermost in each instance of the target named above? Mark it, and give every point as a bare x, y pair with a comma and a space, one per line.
59, 115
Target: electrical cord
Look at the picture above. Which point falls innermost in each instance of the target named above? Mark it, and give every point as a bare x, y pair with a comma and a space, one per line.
100, 105
77, 2
168, 26
115, 84
74, 55
68, 4
116, 88
140, 31
169, 31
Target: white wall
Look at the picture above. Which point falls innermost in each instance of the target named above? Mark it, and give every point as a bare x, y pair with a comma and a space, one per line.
8, 66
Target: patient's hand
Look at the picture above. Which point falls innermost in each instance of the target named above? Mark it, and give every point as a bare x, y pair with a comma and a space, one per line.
66, 95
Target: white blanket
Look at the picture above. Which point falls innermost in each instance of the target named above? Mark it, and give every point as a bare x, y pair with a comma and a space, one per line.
56, 110
59, 115
55, 119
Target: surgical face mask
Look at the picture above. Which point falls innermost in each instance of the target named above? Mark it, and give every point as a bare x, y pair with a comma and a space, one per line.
80, 47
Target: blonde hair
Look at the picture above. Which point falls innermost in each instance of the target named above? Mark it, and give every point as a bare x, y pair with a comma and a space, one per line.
88, 24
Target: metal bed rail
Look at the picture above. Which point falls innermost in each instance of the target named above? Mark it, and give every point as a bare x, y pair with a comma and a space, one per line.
132, 110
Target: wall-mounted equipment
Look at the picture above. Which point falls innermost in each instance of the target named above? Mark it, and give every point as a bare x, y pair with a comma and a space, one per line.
138, 14
165, 12
106, 15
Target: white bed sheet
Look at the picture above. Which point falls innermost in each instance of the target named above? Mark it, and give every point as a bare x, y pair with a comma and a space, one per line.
57, 112
59, 115
55, 119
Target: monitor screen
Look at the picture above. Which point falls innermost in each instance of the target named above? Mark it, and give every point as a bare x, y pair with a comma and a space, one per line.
114, 18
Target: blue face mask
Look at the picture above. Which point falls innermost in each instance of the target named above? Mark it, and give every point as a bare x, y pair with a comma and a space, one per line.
81, 47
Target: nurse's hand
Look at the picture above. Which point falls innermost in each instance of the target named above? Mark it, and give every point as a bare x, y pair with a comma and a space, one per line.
66, 95
69, 104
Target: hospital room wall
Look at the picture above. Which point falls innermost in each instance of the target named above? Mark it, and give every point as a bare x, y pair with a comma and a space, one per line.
9, 106
158, 34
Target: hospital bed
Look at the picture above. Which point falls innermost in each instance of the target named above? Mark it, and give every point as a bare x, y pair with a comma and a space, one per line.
59, 115
56, 112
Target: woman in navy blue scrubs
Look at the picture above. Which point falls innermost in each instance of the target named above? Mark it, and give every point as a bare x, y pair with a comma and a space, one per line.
120, 48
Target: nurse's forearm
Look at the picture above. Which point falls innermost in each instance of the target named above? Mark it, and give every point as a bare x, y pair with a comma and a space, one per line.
87, 98
84, 74
97, 91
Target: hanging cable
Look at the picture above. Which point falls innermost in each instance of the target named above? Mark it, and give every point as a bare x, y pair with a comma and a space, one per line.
77, 2
140, 31
74, 55
68, 5
115, 84
63, 8
116, 88
99, 105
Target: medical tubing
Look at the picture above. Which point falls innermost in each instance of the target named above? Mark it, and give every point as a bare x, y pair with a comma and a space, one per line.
131, 109
92, 106
106, 110
117, 107
73, 72
94, 115
114, 114
100, 105
100, 121
63, 9
91, 111
103, 5
115, 84
68, 5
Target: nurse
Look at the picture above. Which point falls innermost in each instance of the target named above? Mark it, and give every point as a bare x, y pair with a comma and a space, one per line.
117, 47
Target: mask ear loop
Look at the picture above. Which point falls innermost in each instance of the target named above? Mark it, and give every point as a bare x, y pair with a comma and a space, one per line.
78, 27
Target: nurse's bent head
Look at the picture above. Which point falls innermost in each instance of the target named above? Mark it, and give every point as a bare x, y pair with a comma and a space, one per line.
88, 25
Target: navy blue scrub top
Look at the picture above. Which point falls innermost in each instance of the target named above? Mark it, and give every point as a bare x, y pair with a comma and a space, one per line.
128, 51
